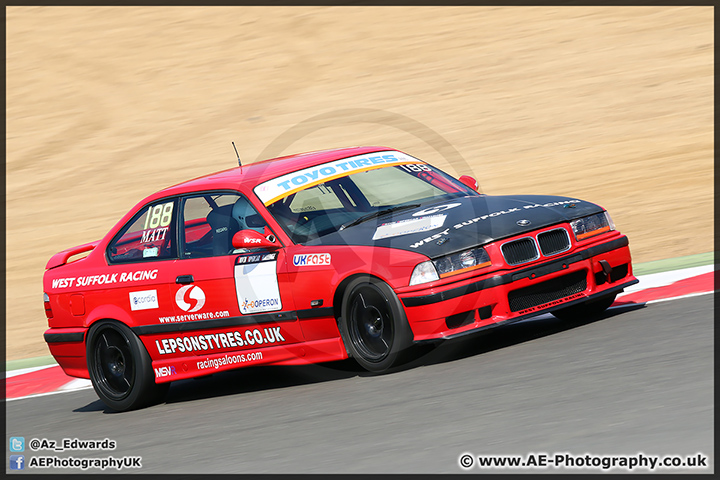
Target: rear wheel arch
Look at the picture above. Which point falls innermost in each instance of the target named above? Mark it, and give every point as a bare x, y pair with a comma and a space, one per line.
120, 366
108, 312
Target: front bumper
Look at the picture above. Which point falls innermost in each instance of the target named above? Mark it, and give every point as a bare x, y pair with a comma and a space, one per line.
500, 298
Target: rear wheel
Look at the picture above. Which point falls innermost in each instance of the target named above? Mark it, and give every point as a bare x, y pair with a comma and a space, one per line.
588, 309
374, 325
120, 368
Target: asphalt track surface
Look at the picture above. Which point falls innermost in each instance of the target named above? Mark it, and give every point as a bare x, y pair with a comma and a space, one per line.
639, 379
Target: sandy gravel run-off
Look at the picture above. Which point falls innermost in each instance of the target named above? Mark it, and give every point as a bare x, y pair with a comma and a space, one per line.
107, 104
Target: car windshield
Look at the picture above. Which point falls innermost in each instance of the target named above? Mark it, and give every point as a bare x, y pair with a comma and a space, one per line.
346, 200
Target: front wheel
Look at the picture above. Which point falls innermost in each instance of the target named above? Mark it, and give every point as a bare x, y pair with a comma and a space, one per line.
588, 309
120, 368
374, 324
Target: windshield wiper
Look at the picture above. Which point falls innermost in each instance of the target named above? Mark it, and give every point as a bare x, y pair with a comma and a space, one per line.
379, 213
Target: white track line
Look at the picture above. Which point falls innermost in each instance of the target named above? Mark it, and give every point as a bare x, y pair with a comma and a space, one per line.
678, 298
47, 393
22, 371
76, 384
664, 279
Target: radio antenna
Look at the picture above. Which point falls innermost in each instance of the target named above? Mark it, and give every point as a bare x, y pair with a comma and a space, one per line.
236, 153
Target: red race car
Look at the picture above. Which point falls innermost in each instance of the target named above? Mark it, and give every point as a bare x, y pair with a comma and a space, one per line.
356, 252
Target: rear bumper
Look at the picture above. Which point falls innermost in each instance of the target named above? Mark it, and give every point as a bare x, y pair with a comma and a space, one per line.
495, 299
67, 345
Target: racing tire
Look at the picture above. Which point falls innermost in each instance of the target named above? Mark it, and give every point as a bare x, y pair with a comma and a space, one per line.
373, 324
120, 368
588, 309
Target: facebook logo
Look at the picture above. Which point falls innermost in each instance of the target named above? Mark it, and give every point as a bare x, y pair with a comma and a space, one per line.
17, 444
17, 462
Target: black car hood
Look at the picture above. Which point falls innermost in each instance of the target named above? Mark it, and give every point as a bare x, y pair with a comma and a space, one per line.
460, 223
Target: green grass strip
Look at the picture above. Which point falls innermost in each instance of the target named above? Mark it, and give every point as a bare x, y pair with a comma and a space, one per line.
28, 362
671, 264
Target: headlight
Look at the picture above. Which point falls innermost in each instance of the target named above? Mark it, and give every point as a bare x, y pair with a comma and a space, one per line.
462, 262
587, 227
450, 265
423, 273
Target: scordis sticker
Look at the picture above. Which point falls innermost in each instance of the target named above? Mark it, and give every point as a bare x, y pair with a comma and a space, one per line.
145, 300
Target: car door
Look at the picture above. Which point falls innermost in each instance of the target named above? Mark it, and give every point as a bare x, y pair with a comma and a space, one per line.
240, 292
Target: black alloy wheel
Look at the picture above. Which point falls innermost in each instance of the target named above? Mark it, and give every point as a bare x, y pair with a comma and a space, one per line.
113, 363
374, 324
120, 368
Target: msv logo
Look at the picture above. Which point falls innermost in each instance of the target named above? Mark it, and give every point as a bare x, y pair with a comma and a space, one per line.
311, 259
165, 371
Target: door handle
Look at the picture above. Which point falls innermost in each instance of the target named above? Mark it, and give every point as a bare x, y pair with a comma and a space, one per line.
184, 279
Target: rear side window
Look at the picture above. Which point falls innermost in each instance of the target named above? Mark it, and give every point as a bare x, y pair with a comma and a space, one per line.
150, 235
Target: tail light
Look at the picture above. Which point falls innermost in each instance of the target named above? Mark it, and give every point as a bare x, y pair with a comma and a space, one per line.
48, 309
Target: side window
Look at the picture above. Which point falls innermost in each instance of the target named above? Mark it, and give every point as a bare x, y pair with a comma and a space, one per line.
209, 222
148, 236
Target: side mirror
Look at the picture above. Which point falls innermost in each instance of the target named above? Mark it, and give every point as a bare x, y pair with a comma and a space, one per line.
252, 239
469, 181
